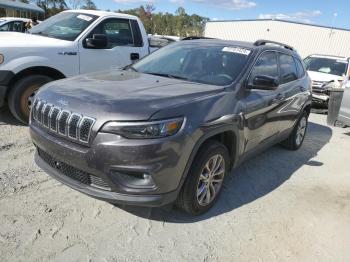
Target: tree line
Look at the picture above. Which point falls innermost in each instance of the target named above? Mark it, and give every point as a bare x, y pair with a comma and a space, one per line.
178, 24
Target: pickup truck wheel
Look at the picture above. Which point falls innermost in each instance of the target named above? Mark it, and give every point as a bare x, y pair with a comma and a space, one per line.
22, 95
296, 138
205, 178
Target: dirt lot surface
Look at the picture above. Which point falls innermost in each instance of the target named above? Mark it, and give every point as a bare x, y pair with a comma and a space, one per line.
279, 206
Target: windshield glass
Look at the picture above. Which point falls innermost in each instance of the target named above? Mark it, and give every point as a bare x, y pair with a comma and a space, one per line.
326, 65
65, 26
209, 64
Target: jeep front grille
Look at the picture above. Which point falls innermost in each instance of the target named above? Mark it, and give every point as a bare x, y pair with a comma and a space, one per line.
73, 173
71, 125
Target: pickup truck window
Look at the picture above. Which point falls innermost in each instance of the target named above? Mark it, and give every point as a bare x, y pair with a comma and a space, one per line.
64, 26
288, 70
5, 27
265, 65
118, 32
215, 64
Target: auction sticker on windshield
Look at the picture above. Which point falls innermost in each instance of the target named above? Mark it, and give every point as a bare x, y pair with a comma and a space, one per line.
237, 50
84, 17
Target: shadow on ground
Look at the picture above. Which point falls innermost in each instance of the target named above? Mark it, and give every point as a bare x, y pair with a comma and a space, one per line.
6, 118
255, 178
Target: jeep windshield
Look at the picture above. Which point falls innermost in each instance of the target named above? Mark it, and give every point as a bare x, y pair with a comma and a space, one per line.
214, 64
64, 26
325, 65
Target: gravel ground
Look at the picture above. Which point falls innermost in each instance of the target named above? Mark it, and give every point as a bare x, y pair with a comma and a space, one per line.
279, 206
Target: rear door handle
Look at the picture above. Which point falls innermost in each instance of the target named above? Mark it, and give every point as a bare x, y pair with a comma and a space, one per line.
279, 98
302, 89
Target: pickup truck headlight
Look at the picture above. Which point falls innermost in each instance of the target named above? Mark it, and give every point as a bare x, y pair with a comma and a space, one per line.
142, 130
1, 58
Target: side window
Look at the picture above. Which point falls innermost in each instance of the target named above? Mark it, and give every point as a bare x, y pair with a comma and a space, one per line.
118, 32
300, 68
288, 70
265, 65
17, 26
6, 27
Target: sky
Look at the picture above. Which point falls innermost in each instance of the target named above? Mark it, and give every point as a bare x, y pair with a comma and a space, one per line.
323, 12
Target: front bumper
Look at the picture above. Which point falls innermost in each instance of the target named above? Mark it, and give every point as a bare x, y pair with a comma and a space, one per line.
5, 78
111, 197
136, 172
320, 99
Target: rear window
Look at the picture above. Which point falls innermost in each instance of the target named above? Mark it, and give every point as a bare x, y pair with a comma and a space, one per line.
300, 68
288, 70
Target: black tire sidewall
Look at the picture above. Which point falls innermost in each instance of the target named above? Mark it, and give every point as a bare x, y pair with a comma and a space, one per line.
209, 150
295, 145
18, 89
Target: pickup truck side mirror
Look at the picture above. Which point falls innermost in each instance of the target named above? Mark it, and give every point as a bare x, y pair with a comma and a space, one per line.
98, 41
264, 82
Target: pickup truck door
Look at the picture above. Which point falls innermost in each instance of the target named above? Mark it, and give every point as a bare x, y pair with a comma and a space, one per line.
124, 45
261, 116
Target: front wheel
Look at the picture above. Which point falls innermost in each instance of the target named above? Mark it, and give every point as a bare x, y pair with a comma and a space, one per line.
22, 94
296, 138
204, 181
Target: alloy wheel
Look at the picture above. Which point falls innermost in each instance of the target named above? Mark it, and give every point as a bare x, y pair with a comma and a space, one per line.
301, 131
210, 180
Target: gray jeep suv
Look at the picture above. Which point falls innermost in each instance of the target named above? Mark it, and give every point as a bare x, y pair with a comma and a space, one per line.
171, 127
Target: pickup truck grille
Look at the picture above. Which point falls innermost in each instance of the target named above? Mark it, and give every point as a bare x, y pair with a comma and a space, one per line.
71, 125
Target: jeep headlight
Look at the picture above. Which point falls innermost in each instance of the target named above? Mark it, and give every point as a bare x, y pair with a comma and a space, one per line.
1, 58
142, 130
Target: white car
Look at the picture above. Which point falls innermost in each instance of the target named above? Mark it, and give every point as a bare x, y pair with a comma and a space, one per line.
67, 44
13, 24
323, 69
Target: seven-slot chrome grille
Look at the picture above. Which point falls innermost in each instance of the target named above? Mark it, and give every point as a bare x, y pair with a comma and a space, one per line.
72, 125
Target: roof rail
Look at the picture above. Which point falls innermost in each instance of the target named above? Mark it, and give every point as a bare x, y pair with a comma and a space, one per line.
264, 42
195, 38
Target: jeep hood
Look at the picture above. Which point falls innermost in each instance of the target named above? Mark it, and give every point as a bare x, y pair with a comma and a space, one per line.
14, 39
122, 95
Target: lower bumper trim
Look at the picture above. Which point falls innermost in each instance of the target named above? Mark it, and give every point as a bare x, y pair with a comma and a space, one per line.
108, 196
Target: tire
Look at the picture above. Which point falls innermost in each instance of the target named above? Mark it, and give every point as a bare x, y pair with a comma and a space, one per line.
296, 138
21, 92
187, 199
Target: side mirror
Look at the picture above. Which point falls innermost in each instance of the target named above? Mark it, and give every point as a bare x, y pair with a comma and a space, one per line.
264, 82
98, 41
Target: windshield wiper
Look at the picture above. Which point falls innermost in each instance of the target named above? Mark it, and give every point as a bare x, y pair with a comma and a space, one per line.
167, 75
40, 33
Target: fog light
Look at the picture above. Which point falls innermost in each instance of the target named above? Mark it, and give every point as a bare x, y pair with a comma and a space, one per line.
1, 59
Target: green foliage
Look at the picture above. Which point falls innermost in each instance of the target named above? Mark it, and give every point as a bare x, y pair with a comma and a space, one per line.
180, 24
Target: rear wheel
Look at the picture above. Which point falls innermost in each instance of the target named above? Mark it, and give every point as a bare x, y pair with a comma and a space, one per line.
204, 181
22, 94
296, 138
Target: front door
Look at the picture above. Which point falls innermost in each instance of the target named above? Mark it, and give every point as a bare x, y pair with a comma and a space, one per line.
121, 49
262, 106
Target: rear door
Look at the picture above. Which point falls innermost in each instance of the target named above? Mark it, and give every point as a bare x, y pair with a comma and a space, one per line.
262, 106
293, 88
124, 45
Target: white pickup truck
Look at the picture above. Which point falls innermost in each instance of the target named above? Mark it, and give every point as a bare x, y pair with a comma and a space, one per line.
67, 44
